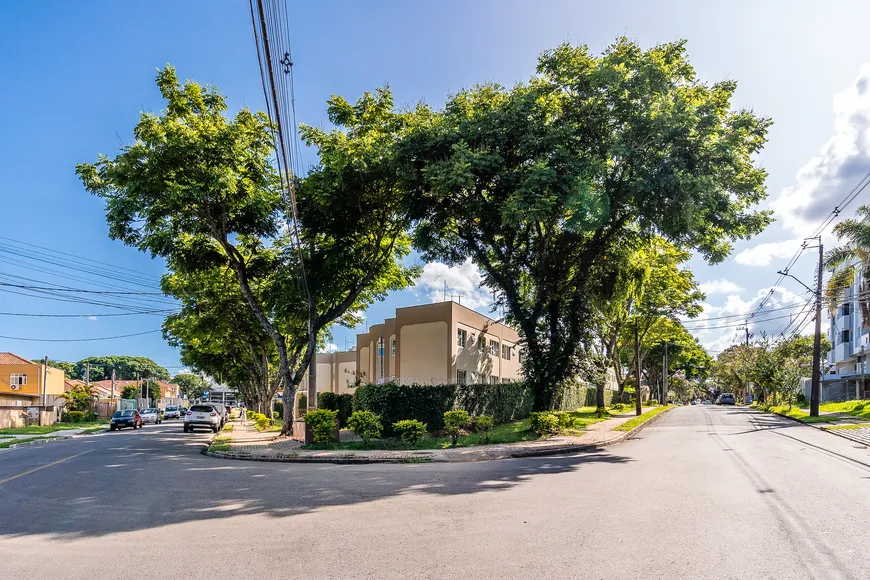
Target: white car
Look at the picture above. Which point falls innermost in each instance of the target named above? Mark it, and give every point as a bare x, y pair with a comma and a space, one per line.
151, 416
171, 412
203, 415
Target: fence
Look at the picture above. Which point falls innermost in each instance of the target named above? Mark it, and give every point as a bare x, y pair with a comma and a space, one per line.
14, 416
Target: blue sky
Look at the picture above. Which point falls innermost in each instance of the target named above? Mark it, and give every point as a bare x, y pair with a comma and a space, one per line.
76, 75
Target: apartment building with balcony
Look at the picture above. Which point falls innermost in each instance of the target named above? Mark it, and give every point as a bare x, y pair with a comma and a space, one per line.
845, 376
438, 343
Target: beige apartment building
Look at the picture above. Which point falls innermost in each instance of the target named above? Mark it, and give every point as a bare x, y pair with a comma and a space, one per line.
443, 342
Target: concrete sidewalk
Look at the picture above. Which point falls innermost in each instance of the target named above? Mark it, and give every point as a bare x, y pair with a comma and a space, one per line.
249, 444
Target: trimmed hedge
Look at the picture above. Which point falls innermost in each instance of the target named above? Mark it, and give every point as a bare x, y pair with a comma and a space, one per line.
428, 403
335, 402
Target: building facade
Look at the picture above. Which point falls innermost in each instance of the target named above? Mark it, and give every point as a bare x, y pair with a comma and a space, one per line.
24, 382
443, 342
846, 365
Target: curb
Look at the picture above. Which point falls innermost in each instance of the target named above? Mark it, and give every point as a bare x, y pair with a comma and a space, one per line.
819, 427
15, 446
519, 454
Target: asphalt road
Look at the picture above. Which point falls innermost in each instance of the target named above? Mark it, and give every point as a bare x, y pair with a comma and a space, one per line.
705, 493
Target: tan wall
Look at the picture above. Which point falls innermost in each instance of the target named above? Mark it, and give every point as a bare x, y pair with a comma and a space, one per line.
324, 377
425, 352
364, 369
483, 364
54, 385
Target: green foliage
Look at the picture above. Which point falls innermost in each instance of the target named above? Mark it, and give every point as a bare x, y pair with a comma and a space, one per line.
335, 402
639, 420
68, 368
75, 416
130, 392
152, 390
302, 403
544, 423
249, 414
847, 260
455, 422
537, 182
279, 409
79, 398
365, 424
410, 430
192, 386
261, 421
483, 425
393, 402
322, 423
126, 368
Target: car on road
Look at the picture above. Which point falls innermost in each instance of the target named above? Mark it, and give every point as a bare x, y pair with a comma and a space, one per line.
726, 399
125, 418
203, 415
225, 415
171, 412
151, 415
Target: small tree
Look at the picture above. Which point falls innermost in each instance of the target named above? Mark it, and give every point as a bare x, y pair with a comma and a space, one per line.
455, 422
130, 392
411, 430
483, 424
365, 424
322, 423
78, 398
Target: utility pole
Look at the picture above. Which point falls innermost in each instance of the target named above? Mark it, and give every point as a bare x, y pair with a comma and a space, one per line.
637, 394
817, 341
113, 383
664, 399
88, 374
44, 380
138, 385
816, 385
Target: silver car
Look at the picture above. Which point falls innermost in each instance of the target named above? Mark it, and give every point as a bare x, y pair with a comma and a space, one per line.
171, 412
151, 415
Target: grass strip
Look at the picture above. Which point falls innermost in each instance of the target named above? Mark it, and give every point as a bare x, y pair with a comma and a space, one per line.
221, 441
11, 442
43, 429
641, 419
853, 426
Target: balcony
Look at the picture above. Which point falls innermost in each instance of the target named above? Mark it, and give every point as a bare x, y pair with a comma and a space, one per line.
843, 351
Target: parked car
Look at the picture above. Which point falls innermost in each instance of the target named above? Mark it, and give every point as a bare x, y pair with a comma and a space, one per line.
203, 415
171, 412
151, 415
225, 415
125, 418
726, 399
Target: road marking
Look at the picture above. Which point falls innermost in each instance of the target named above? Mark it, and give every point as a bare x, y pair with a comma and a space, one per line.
35, 469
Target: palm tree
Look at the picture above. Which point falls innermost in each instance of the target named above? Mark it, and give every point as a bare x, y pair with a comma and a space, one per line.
845, 260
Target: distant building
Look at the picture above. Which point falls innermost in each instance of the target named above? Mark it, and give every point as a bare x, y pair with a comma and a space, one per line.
25, 383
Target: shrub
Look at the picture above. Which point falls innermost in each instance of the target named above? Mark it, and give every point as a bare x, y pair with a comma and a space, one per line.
652, 403
365, 424
455, 422
301, 404
564, 418
322, 423
544, 423
619, 407
410, 430
261, 421
75, 416
249, 414
483, 424
335, 402
279, 410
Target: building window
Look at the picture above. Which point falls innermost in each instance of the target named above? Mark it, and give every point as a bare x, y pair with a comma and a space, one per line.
381, 354
461, 377
493, 347
392, 347
506, 351
481, 343
18, 379
493, 380
460, 337
846, 309
845, 335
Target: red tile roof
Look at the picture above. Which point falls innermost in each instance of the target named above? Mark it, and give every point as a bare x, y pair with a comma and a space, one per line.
7, 358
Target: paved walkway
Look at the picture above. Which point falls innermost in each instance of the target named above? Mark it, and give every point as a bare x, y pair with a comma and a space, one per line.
248, 443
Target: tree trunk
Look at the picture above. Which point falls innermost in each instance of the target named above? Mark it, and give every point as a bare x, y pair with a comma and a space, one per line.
599, 398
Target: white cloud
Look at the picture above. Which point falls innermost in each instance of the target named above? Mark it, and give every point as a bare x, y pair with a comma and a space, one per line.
842, 161
463, 280
92, 317
719, 287
764, 254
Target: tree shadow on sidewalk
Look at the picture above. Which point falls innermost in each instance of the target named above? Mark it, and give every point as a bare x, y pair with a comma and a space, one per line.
159, 481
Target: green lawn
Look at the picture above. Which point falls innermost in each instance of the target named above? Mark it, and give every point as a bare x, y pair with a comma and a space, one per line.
641, 419
854, 426
42, 429
11, 442
221, 441
802, 414
860, 409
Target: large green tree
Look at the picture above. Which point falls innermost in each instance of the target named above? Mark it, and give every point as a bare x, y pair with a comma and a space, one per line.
126, 368
200, 188
68, 368
192, 386
536, 183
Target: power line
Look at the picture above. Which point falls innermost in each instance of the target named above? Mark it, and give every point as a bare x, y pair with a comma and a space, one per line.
64, 289
28, 314
79, 339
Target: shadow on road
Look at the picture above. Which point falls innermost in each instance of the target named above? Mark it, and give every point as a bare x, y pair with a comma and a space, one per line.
159, 479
